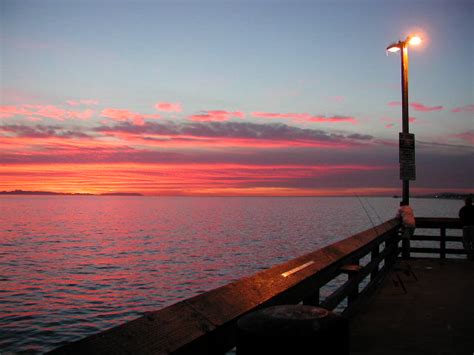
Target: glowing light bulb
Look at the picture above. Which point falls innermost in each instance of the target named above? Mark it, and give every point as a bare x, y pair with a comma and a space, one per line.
393, 49
415, 40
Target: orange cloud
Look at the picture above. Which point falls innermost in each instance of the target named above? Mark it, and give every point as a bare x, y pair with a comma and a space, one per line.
182, 179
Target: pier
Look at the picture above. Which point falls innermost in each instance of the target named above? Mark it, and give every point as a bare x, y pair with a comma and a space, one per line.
398, 298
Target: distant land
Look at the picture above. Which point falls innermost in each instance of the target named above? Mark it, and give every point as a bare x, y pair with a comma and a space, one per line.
443, 195
48, 193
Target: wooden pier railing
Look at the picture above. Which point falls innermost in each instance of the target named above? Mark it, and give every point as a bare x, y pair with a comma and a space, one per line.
206, 324
428, 245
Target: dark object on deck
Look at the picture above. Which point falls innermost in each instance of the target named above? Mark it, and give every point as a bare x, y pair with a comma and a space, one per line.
293, 329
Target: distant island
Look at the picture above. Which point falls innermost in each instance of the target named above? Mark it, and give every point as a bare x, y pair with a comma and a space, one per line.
48, 193
443, 195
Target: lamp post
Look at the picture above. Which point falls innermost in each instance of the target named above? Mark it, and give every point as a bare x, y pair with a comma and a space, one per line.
407, 141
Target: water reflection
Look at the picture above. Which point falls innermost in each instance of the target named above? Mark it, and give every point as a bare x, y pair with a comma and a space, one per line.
71, 266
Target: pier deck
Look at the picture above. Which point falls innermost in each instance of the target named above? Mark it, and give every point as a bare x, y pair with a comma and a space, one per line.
434, 316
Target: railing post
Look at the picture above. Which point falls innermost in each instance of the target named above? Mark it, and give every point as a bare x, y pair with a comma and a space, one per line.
392, 243
313, 299
442, 244
374, 255
406, 248
352, 270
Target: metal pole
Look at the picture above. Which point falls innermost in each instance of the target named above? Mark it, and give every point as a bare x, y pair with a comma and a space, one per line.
405, 126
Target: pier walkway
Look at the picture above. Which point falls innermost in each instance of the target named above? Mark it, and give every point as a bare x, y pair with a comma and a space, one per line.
433, 315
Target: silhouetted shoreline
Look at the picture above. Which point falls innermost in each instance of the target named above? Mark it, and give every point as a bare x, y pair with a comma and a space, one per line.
48, 193
443, 195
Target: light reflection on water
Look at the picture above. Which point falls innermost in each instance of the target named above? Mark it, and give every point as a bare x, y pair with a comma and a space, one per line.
73, 265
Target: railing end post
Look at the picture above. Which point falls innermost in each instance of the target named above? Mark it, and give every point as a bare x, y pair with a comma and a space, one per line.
406, 248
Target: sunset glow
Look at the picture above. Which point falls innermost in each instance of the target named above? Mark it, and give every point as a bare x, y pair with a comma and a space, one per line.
181, 105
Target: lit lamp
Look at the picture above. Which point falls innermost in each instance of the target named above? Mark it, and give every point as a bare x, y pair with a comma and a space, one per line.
407, 164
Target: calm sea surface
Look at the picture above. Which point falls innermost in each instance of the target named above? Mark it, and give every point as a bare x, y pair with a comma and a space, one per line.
71, 266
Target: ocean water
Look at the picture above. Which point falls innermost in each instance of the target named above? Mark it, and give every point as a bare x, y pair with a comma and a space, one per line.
71, 266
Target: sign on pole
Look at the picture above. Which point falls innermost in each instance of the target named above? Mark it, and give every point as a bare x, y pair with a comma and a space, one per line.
407, 156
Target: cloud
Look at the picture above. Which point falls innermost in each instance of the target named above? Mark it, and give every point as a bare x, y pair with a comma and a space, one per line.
302, 161
126, 115
45, 111
465, 136
168, 106
87, 102
337, 98
390, 122
216, 115
42, 131
418, 106
235, 134
11, 111
303, 117
467, 108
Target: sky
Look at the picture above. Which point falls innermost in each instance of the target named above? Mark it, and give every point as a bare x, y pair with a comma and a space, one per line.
233, 98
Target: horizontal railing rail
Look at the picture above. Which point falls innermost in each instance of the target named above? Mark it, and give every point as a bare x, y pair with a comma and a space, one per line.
435, 244
206, 324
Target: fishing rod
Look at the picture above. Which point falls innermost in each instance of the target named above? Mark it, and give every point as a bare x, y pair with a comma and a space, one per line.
367, 213
373, 209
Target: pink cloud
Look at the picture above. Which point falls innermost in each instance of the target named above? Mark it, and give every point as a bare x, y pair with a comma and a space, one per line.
82, 102
84, 115
466, 136
122, 115
169, 106
420, 107
467, 108
126, 115
11, 111
90, 102
303, 117
46, 111
394, 103
332, 119
216, 116
337, 98
390, 125
417, 106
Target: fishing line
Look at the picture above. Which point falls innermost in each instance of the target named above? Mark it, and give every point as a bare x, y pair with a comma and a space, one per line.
373, 209
367, 213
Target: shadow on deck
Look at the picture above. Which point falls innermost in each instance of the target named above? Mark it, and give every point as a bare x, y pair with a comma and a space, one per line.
434, 316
